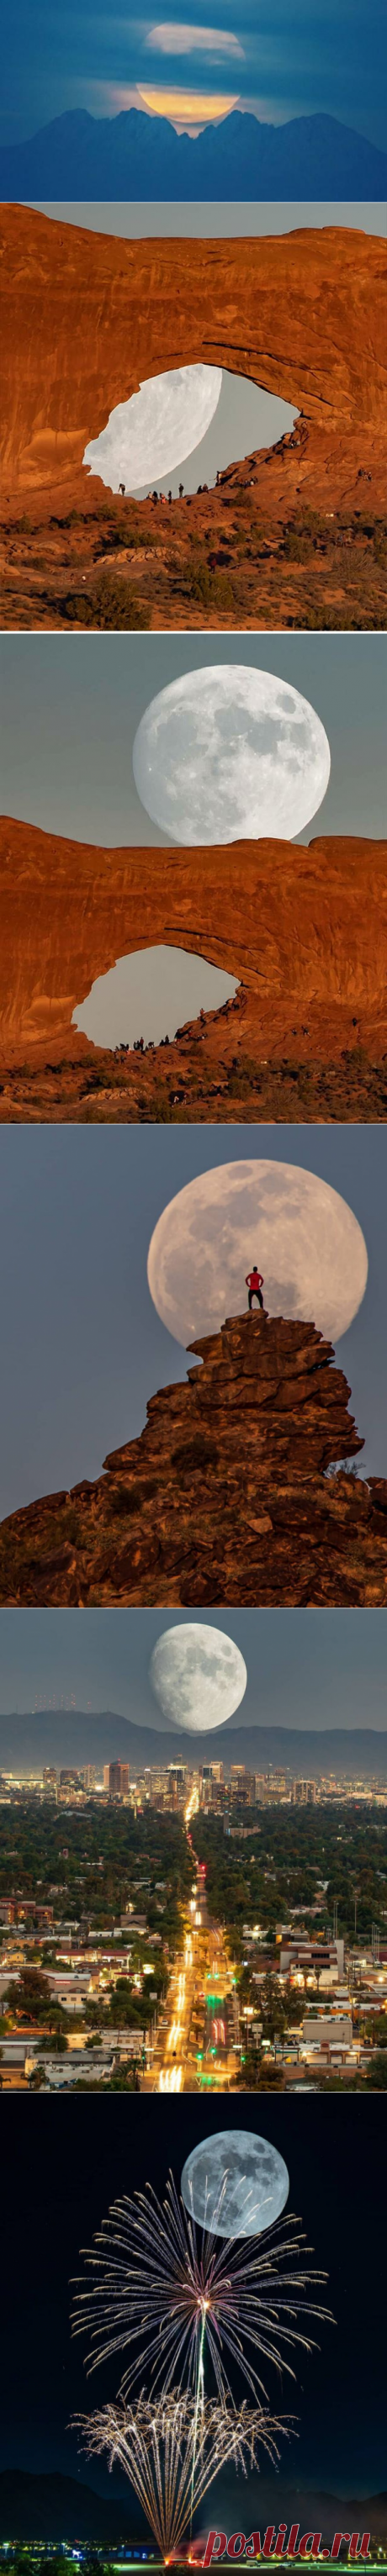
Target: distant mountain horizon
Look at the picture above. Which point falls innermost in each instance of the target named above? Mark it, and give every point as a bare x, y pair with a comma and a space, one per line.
51, 2506
72, 1737
134, 155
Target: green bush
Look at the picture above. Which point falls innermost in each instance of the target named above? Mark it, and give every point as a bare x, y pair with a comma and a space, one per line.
211, 589
111, 603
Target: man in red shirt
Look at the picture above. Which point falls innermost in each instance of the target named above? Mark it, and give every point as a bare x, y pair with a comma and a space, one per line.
254, 1283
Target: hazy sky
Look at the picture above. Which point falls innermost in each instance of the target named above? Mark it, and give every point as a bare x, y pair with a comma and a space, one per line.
82, 1347
213, 222
68, 719
307, 1668
290, 58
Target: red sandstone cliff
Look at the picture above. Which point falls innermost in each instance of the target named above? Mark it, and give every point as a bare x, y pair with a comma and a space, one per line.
85, 317
304, 929
225, 1496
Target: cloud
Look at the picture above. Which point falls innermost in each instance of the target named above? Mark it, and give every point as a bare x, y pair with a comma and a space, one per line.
186, 110
171, 39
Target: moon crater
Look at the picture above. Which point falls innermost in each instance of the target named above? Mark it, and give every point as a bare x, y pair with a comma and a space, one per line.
227, 753
235, 2184
156, 429
303, 1235
198, 1675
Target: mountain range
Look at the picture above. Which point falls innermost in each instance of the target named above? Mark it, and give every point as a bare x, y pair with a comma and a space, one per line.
76, 1736
136, 156
54, 2507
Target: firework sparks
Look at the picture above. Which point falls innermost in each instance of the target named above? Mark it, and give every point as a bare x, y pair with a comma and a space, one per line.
169, 2298
171, 2456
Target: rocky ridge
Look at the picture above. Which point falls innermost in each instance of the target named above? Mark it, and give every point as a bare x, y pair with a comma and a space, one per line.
225, 1497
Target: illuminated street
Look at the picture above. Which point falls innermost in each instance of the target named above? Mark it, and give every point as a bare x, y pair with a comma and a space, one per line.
195, 2044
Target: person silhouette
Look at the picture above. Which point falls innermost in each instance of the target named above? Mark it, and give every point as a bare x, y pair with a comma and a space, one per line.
254, 1283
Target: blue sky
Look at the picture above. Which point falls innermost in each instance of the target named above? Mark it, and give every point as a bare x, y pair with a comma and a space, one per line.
82, 1345
282, 58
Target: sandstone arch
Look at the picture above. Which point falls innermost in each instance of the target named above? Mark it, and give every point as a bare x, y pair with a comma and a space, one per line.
309, 923
85, 316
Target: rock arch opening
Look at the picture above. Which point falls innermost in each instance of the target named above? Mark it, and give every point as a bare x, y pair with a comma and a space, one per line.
184, 427
148, 995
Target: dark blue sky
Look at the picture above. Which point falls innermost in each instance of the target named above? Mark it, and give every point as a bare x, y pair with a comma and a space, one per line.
294, 57
311, 1668
81, 1344
335, 2155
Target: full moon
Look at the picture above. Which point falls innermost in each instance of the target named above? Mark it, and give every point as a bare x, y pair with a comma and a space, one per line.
306, 1240
198, 1676
235, 2184
229, 753
156, 429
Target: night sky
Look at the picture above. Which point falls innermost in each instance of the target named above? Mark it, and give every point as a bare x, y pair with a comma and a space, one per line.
61, 2170
289, 58
82, 1347
305, 1668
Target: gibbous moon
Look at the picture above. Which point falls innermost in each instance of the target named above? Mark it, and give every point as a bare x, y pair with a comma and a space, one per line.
303, 1236
156, 429
235, 2184
198, 1676
230, 753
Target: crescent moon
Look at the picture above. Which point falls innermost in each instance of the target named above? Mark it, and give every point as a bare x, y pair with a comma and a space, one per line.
229, 753
304, 1236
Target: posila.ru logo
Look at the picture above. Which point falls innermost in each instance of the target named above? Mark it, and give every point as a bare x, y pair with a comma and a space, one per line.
251, 2547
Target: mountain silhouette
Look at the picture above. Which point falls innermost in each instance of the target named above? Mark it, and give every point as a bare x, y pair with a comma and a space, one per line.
53, 2507
134, 156
75, 1736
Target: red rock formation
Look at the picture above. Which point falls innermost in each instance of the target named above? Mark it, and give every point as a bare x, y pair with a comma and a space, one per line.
85, 317
225, 1496
305, 929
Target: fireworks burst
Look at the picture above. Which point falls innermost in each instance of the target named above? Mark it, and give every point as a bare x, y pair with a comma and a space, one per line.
169, 2299
171, 2457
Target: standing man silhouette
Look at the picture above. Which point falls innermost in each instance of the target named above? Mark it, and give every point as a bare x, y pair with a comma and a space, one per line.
254, 1283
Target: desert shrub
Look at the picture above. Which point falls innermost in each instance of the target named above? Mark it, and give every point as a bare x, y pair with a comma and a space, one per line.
111, 603
129, 1498
195, 1453
296, 546
246, 1074
212, 590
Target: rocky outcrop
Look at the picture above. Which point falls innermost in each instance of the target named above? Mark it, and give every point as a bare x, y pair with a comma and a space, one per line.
303, 929
86, 317
226, 1496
